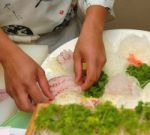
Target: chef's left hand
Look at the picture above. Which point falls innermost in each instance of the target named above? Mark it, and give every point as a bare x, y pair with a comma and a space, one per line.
90, 48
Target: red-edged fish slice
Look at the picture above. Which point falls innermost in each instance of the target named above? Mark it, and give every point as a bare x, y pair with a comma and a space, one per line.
134, 61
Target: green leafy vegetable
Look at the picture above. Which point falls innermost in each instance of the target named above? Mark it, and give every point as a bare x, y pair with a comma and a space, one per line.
97, 89
143, 109
130, 121
105, 119
109, 118
49, 118
141, 73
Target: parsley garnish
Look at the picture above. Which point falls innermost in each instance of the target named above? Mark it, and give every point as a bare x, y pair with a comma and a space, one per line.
141, 73
97, 90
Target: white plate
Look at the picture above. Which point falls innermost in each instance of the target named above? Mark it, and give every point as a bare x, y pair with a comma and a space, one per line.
112, 36
113, 41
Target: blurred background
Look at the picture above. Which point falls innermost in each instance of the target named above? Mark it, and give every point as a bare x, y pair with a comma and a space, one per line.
134, 14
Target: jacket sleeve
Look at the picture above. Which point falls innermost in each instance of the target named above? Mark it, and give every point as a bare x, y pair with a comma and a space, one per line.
108, 4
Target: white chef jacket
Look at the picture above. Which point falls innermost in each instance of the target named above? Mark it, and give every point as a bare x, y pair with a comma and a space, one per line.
31, 18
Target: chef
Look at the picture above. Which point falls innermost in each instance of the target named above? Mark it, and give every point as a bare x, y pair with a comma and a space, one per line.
50, 22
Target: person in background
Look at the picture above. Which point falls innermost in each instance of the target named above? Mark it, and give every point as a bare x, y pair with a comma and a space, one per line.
51, 22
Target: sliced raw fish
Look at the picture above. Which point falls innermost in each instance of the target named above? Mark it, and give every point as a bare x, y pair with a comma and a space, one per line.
122, 91
65, 59
64, 87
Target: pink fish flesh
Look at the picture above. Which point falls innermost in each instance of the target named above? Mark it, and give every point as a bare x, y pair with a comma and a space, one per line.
65, 59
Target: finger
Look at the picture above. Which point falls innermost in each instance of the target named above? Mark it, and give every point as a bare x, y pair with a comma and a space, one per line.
43, 83
23, 103
78, 68
91, 77
35, 93
9, 93
99, 70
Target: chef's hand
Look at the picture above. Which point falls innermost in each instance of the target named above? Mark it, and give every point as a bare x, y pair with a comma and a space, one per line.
25, 79
90, 48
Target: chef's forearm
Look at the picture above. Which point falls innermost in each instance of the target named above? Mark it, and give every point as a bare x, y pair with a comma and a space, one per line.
7, 47
95, 19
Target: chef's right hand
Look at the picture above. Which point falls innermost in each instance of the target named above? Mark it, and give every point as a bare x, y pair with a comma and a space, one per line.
25, 81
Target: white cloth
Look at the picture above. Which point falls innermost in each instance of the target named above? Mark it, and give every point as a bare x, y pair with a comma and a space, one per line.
42, 16
108, 4
25, 20
56, 38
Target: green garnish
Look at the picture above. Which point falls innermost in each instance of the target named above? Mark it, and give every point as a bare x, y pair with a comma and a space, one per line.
141, 73
70, 119
97, 90
109, 119
130, 121
49, 118
105, 119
